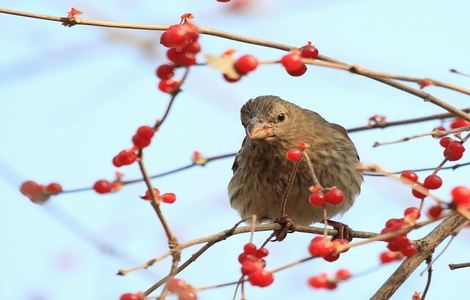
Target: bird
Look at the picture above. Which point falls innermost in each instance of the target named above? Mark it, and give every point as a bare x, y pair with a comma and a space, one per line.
261, 171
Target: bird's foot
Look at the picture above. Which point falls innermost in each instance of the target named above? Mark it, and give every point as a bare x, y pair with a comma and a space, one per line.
343, 230
286, 225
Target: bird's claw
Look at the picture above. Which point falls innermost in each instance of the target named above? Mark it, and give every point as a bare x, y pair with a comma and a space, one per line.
343, 230
286, 225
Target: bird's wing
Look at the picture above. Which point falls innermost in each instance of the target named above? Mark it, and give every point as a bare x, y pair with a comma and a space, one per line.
344, 132
235, 161
340, 129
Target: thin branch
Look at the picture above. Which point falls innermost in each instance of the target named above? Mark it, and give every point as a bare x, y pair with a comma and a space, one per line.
338, 64
439, 133
429, 278
459, 266
220, 236
406, 121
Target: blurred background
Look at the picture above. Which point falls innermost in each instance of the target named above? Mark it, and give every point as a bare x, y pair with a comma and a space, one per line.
71, 98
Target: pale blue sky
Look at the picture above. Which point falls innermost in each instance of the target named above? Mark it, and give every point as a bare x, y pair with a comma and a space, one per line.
71, 98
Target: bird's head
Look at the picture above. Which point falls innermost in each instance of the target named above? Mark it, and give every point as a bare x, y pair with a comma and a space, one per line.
269, 118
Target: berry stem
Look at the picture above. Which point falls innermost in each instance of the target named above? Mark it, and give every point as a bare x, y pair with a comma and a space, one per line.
316, 182
325, 221
289, 186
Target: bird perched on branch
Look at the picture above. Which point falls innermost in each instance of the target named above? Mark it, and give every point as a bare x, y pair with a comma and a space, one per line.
261, 171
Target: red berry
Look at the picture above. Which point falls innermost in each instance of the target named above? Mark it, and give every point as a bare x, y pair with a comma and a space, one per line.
424, 83
439, 130
394, 224
320, 246
454, 151
389, 256
331, 285
245, 257
309, 51
445, 141
169, 86
130, 296
102, 186
193, 47
192, 30
459, 123
292, 62
177, 285
174, 36
418, 194
319, 281
145, 132
294, 154
249, 267
249, 248
187, 294
261, 278
461, 196
168, 198
409, 250
140, 142
435, 211
165, 71
410, 175
317, 198
245, 64
53, 188
331, 257
343, 274
334, 196
147, 195
229, 79
299, 72
393, 246
181, 58
124, 158
432, 182
262, 252
30, 187
33, 191
412, 212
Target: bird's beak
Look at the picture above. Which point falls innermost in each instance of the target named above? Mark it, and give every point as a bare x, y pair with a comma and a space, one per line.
257, 130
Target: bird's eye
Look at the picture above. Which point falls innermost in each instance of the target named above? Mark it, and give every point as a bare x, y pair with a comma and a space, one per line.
281, 117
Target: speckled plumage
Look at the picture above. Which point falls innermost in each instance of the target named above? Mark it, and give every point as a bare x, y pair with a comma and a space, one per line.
261, 171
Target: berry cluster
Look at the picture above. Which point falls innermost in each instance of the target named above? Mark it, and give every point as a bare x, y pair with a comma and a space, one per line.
141, 139
166, 198
182, 41
453, 150
322, 281
292, 61
184, 290
390, 256
329, 250
253, 265
431, 182
402, 243
320, 197
132, 296
39, 193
